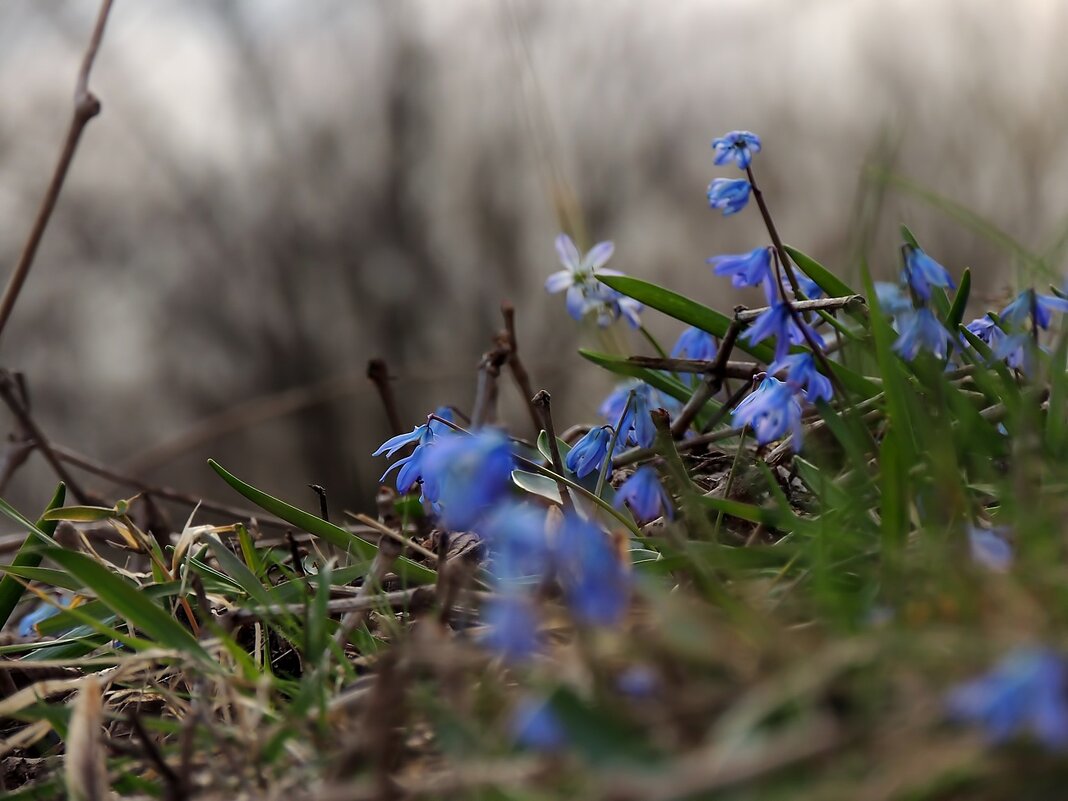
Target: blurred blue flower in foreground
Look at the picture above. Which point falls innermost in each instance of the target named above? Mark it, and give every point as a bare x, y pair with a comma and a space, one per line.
512, 626
584, 292
1031, 304
990, 549
922, 272
589, 452
921, 330
737, 146
535, 726
466, 474
693, 343
1018, 351
727, 195
1025, 692
744, 269
771, 410
777, 322
892, 298
645, 495
595, 582
519, 549
801, 373
40, 613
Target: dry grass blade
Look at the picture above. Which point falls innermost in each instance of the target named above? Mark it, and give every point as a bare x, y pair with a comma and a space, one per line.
86, 768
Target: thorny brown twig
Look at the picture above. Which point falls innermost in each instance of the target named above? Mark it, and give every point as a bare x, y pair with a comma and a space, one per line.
86, 106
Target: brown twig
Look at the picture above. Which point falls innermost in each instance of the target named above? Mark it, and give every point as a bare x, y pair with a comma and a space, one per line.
543, 403
10, 395
489, 370
515, 364
86, 106
378, 372
823, 304
165, 493
742, 370
709, 386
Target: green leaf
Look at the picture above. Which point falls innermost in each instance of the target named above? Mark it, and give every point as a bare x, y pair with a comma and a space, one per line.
537, 484
45, 575
834, 286
325, 530
239, 572
622, 366
80, 514
683, 309
1058, 396
28, 556
960, 301
128, 601
906, 234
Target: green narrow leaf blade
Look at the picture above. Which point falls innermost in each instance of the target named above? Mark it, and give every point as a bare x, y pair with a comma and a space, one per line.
28, 556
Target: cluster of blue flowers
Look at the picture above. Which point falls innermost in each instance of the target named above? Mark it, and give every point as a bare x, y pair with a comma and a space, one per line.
908, 303
1009, 337
774, 407
585, 294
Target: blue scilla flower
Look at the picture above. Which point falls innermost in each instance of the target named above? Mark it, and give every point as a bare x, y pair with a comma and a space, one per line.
771, 410
584, 292
744, 269
1032, 304
410, 467
1018, 351
466, 474
737, 146
921, 330
693, 343
645, 495
729, 196
1024, 693
535, 726
28, 623
990, 549
596, 584
922, 272
986, 330
511, 626
637, 427
589, 452
777, 322
809, 288
801, 373
892, 298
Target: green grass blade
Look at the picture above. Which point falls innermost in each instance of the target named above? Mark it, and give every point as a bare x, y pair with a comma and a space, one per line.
28, 556
129, 601
960, 301
325, 530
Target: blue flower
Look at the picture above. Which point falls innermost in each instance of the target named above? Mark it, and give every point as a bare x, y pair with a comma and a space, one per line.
519, 550
1031, 304
801, 373
589, 452
512, 626
1025, 692
892, 298
411, 466
28, 623
466, 474
771, 410
986, 330
730, 196
637, 427
922, 272
1018, 351
535, 726
638, 681
693, 343
744, 269
777, 322
737, 146
645, 496
584, 292
595, 582
990, 549
921, 330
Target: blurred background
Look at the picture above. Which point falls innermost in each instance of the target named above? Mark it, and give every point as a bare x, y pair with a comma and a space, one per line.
279, 190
